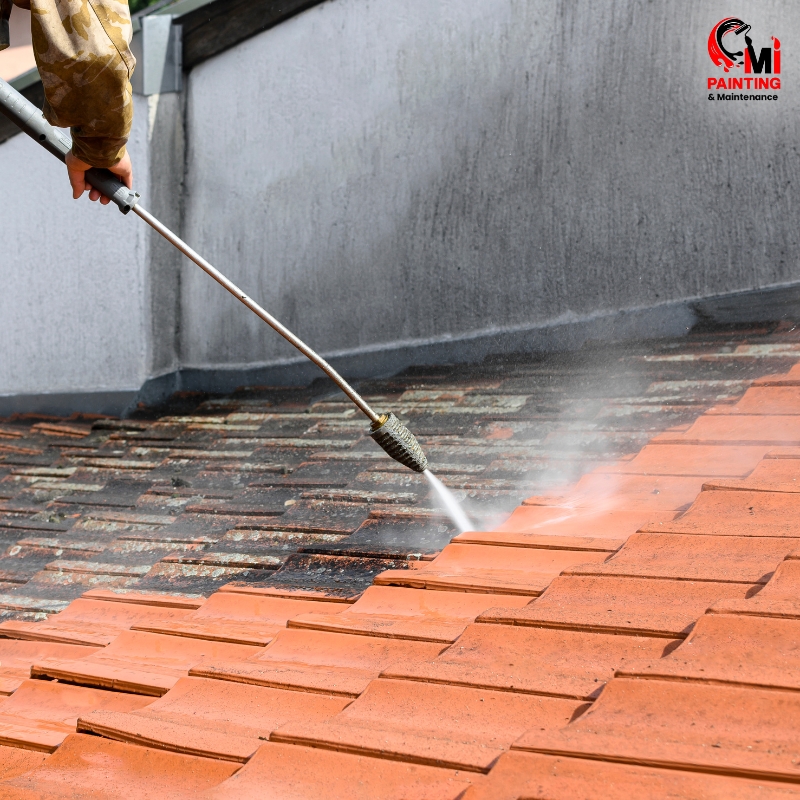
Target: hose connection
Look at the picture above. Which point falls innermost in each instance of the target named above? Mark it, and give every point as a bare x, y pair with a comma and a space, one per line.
398, 442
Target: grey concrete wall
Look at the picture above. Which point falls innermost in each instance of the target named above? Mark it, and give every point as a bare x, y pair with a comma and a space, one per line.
407, 182
379, 172
74, 314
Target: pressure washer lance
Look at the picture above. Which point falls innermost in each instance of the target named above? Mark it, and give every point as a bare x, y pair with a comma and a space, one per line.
385, 429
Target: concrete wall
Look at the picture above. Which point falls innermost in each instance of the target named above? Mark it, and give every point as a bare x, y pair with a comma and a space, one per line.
380, 172
432, 179
73, 309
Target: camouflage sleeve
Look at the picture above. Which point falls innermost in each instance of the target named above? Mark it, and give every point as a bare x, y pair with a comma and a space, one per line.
82, 49
5, 12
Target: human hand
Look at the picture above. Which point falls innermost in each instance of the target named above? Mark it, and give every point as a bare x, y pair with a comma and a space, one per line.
76, 170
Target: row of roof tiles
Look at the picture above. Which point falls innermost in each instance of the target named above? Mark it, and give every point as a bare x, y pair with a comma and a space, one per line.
561, 654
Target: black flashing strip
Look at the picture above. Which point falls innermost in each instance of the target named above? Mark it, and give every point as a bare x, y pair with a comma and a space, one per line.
220, 24
209, 28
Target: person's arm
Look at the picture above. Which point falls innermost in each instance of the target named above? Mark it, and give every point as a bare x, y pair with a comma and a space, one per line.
82, 49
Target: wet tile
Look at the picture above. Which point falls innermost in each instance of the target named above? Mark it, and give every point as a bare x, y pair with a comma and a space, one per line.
91, 622
337, 576
650, 607
751, 733
780, 597
730, 559
238, 618
763, 400
692, 460
209, 718
532, 775
443, 726
737, 513
486, 568
17, 657
316, 661
770, 475
137, 662
14, 762
41, 714
556, 521
742, 430
620, 492
726, 648
298, 773
391, 538
559, 663
90, 767
396, 613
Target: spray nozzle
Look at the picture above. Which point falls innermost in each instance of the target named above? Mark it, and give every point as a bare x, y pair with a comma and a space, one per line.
398, 442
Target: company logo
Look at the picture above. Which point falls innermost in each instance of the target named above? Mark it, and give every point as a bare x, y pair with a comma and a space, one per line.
731, 49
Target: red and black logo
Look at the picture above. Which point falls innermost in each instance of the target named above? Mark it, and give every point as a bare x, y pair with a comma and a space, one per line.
731, 48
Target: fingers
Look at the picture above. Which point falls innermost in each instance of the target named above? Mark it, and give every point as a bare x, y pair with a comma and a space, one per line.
76, 172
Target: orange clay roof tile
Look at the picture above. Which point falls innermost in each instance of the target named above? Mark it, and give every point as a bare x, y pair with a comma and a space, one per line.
366, 699
770, 475
610, 604
737, 513
737, 559
780, 597
40, 714
91, 768
747, 732
300, 773
14, 762
210, 718
89, 622
318, 661
727, 648
238, 618
398, 613
143, 663
546, 661
17, 657
533, 776
491, 569
692, 460
445, 726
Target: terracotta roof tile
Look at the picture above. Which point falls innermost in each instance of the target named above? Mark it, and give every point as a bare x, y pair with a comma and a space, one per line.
561, 663
319, 661
297, 773
143, 663
746, 732
210, 718
565, 627
530, 776
41, 714
648, 607
85, 764
445, 726
396, 613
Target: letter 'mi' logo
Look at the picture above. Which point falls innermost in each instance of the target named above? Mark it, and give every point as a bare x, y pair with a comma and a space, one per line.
730, 47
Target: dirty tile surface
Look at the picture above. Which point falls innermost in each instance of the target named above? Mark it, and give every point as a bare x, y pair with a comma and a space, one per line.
242, 597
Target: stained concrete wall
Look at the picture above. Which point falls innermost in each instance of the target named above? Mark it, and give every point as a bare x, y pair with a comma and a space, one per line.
73, 309
410, 181
380, 172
